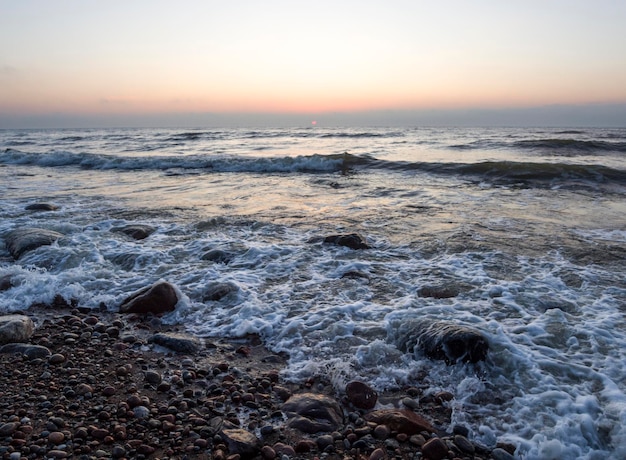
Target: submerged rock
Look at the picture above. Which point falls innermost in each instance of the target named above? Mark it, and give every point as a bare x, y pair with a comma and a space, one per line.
15, 328
22, 240
351, 240
157, 299
217, 291
442, 340
6, 282
312, 413
218, 256
439, 292
41, 207
136, 231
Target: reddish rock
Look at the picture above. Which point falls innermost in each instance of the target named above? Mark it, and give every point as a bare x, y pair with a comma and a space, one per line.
361, 395
435, 449
157, 299
377, 454
400, 420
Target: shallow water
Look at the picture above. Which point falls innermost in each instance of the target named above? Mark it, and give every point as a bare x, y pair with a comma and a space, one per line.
527, 227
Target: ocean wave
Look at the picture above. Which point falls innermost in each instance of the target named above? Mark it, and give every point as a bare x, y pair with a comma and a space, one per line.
571, 145
515, 172
555, 146
306, 163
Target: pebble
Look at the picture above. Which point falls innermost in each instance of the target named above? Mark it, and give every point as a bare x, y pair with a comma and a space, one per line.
464, 444
56, 437
56, 358
377, 454
435, 449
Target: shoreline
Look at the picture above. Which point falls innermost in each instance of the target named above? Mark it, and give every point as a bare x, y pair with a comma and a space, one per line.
107, 391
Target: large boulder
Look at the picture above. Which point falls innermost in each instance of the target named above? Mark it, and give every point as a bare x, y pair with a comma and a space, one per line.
22, 240
351, 240
442, 340
400, 420
156, 299
15, 328
312, 413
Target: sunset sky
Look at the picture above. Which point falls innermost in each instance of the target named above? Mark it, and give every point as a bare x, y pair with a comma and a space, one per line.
137, 62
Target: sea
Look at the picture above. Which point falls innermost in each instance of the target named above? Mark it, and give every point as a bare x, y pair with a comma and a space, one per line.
524, 229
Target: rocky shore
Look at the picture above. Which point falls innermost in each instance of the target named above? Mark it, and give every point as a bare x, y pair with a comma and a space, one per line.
95, 384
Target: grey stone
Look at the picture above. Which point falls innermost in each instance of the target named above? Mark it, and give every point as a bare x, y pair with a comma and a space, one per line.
30, 351
15, 328
312, 413
181, 343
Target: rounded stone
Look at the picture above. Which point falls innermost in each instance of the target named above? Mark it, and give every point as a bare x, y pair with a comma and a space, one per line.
435, 449
268, 453
56, 358
153, 377
464, 444
56, 437
381, 432
361, 395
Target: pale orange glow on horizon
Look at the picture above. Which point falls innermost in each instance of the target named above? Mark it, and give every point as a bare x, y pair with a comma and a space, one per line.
283, 58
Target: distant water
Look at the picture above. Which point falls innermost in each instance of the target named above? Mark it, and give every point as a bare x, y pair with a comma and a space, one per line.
526, 226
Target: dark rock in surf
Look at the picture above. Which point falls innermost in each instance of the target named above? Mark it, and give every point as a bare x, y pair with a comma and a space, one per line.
157, 299
439, 292
361, 395
313, 413
136, 231
41, 207
351, 240
22, 240
218, 256
6, 282
441, 340
400, 420
217, 291
181, 343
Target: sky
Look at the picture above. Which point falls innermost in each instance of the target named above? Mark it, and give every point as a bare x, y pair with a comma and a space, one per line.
75, 63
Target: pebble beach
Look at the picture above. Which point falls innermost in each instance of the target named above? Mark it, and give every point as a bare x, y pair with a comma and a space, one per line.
107, 390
